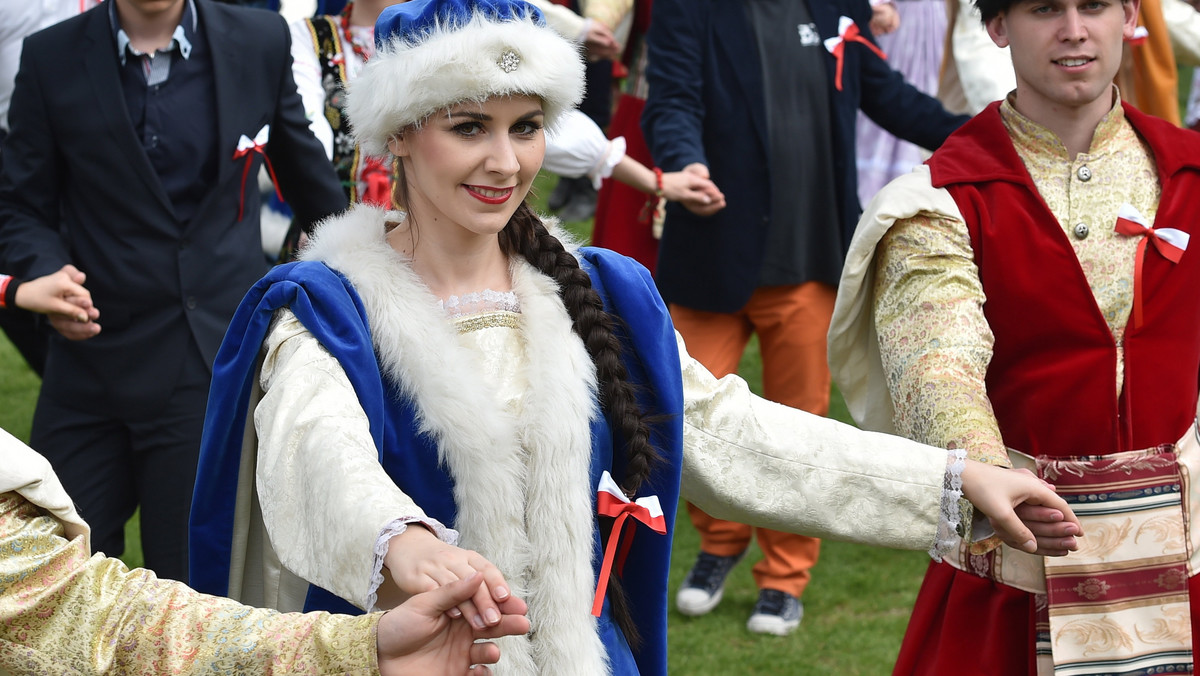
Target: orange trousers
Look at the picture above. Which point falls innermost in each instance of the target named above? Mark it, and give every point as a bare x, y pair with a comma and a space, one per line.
791, 323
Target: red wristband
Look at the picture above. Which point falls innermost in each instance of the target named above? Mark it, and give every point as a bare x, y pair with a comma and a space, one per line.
5, 280
658, 185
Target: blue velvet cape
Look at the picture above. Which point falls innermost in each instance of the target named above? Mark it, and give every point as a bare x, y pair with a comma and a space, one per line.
328, 306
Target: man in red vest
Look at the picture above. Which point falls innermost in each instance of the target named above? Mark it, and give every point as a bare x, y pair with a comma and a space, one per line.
1028, 295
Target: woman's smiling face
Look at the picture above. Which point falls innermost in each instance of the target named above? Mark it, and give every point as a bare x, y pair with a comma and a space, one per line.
472, 165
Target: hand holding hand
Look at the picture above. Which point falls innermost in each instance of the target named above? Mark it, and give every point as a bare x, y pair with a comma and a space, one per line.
417, 637
419, 562
61, 295
699, 207
1025, 511
698, 194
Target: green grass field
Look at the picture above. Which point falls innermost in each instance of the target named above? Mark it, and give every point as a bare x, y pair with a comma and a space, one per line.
856, 606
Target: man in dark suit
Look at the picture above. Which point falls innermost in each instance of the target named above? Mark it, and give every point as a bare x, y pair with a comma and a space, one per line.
761, 96
136, 132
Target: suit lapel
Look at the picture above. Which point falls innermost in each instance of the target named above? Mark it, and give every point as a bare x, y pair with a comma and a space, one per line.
734, 37
221, 32
102, 69
228, 79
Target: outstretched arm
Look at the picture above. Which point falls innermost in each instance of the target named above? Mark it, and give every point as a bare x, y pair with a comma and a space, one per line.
753, 461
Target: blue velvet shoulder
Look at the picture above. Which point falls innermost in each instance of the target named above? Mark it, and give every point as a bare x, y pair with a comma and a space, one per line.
327, 305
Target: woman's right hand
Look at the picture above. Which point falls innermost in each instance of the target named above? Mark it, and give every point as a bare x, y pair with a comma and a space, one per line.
419, 562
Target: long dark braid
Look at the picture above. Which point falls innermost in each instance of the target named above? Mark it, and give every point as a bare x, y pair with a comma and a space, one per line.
526, 236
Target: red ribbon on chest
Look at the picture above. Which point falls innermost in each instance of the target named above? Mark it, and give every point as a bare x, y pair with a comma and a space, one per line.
247, 148
1169, 242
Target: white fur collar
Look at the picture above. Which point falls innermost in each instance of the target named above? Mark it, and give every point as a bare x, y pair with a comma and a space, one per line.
521, 482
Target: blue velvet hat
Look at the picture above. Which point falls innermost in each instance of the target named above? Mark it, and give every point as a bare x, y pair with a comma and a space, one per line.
433, 54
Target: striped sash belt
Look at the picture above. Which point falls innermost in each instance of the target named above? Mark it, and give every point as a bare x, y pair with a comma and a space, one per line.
1119, 605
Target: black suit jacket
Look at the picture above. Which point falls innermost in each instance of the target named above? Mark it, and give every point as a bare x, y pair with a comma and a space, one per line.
706, 104
77, 187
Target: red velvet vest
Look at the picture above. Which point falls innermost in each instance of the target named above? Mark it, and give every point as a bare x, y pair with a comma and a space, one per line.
1052, 374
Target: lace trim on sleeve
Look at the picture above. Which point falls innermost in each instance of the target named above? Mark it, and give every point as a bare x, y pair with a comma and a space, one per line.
948, 533
612, 156
391, 530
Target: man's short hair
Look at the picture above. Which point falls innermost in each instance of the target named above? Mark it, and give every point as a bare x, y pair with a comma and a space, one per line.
990, 9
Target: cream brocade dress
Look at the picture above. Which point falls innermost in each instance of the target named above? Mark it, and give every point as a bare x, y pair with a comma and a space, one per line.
934, 339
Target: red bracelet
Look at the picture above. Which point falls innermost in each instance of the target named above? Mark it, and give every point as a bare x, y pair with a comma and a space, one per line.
658, 186
4, 282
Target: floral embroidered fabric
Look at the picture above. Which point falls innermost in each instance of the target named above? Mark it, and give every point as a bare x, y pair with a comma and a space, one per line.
65, 612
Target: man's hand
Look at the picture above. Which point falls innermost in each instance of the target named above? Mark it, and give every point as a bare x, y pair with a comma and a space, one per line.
692, 191
600, 42
716, 197
884, 18
1025, 511
62, 297
418, 637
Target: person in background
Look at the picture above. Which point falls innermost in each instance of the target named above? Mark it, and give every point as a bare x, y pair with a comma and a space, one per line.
761, 97
135, 131
914, 48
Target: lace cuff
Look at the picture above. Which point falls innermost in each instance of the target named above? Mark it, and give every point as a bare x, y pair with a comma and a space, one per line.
950, 531
608, 160
391, 530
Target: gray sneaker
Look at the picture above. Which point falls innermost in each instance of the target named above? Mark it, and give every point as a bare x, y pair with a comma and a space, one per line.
776, 612
705, 583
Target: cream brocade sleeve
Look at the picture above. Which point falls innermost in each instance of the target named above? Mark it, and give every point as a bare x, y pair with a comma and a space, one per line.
64, 612
934, 340
327, 527
753, 461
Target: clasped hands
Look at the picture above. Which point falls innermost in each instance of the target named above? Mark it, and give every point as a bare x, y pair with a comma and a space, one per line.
62, 297
1024, 510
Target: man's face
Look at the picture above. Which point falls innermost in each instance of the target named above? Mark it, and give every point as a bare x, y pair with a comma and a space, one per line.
148, 9
1065, 52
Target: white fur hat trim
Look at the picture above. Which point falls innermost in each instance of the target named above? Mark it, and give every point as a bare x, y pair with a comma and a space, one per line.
407, 82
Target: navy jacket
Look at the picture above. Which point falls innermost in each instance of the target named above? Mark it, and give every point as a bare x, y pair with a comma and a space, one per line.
706, 105
77, 187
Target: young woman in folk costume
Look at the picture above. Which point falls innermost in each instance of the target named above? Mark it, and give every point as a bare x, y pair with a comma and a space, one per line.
453, 388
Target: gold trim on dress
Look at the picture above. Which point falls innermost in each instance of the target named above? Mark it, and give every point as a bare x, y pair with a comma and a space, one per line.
487, 320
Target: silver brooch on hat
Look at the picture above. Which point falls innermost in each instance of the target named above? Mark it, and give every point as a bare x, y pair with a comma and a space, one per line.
509, 61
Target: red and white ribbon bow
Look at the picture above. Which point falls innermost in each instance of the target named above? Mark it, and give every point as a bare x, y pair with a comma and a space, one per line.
1169, 242
247, 148
847, 32
611, 501
1140, 34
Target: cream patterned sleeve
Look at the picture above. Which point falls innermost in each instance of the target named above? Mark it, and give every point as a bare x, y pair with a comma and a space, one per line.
754, 461
328, 527
64, 612
934, 339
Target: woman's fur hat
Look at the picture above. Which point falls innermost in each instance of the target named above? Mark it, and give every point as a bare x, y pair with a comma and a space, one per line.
432, 54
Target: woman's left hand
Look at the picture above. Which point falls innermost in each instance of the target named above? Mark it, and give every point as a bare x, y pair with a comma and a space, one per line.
1025, 511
